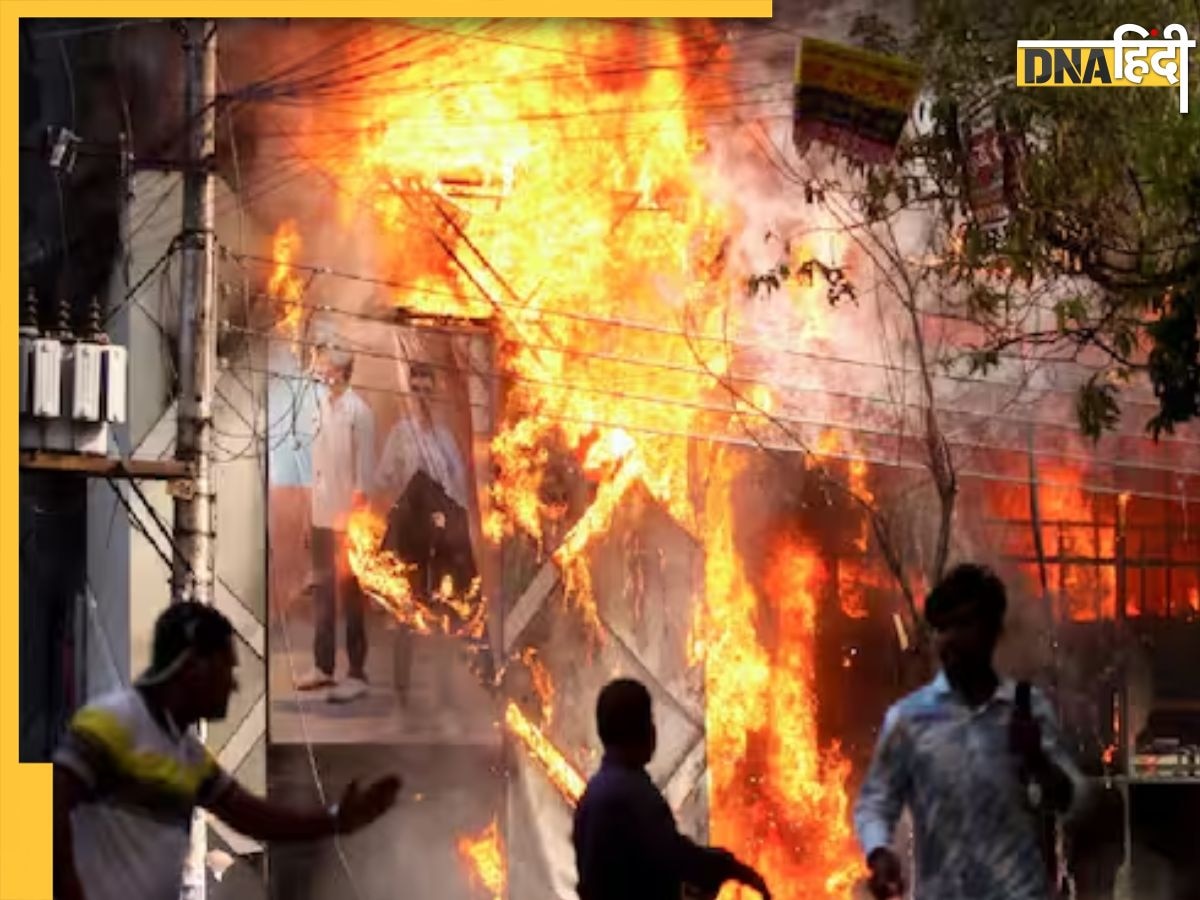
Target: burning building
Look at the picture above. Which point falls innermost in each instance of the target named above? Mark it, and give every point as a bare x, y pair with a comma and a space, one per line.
721, 483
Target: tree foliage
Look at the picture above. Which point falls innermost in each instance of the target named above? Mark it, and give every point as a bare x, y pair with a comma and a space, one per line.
1101, 190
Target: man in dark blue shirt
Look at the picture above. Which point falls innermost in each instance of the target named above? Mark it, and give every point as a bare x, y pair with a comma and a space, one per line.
627, 846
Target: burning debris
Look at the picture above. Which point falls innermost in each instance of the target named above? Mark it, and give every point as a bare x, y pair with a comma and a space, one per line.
543, 686
484, 857
385, 578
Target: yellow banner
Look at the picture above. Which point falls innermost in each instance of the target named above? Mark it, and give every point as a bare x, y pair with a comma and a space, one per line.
873, 78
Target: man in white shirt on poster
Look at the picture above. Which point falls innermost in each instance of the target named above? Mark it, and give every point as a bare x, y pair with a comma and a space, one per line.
343, 452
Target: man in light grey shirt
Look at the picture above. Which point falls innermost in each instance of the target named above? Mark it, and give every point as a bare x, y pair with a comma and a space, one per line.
978, 760
419, 442
428, 518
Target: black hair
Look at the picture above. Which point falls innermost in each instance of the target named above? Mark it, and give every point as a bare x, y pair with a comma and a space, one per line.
188, 627
967, 584
623, 712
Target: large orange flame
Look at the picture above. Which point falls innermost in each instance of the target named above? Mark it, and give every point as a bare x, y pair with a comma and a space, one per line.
1078, 542
776, 797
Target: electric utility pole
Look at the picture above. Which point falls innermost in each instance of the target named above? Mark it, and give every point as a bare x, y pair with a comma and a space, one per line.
194, 531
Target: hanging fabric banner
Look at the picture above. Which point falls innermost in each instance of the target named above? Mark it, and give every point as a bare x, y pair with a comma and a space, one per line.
855, 100
982, 138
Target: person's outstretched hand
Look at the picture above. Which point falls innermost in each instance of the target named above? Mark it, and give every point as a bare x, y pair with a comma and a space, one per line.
756, 882
752, 879
887, 880
359, 808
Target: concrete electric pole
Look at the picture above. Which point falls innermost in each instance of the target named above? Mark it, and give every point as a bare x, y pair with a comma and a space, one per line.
192, 574
194, 536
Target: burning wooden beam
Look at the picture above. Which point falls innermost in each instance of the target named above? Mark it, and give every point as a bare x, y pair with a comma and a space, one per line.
561, 773
529, 604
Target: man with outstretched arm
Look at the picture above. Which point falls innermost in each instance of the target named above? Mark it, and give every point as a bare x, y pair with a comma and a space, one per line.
129, 774
627, 846
975, 757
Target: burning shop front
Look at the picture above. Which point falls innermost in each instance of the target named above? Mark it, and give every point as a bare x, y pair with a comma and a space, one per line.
594, 452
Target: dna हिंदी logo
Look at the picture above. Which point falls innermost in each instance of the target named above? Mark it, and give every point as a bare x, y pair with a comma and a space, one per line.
1134, 57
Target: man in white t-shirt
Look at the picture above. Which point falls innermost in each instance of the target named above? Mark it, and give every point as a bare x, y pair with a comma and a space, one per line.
129, 774
343, 451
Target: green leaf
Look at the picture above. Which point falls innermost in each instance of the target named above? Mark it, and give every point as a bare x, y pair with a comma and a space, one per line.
1096, 407
1070, 314
983, 303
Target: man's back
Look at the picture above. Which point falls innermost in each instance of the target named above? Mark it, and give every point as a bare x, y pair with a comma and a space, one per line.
627, 846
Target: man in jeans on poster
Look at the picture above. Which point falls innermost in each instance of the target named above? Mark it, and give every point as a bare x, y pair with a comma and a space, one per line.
343, 464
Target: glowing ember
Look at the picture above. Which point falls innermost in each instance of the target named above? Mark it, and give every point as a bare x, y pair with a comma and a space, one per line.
484, 857
384, 577
560, 772
284, 284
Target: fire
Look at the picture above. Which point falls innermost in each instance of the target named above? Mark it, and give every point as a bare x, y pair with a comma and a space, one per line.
558, 769
484, 857
1077, 539
574, 204
854, 577
570, 556
284, 284
612, 447
1087, 593
776, 799
543, 686
384, 577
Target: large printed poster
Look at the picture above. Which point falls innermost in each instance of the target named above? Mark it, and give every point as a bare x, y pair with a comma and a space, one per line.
379, 648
